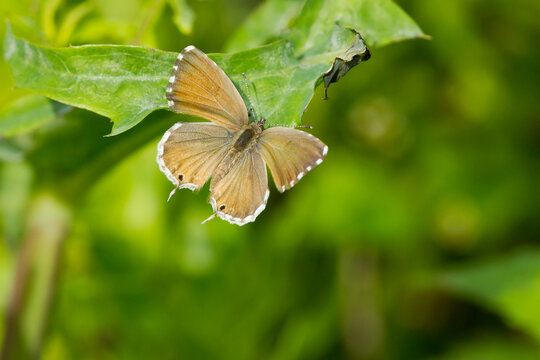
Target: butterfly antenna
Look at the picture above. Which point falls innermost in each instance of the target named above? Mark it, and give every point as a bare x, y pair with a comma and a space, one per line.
292, 126
251, 107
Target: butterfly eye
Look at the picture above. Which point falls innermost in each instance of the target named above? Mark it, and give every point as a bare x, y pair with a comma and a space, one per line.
181, 177
222, 207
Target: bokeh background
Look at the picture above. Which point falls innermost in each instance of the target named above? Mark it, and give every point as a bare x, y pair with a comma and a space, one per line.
417, 238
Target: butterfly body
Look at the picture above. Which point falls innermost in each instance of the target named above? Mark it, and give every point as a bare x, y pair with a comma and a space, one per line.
231, 151
248, 137
245, 139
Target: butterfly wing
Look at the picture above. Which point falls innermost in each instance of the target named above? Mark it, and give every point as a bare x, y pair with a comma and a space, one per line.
290, 154
241, 195
189, 153
197, 86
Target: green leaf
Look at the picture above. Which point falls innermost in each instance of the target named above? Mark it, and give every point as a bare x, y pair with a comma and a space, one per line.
509, 286
71, 20
183, 16
124, 83
127, 83
47, 18
25, 114
380, 22
10, 151
95, 30
266, 22
492, 347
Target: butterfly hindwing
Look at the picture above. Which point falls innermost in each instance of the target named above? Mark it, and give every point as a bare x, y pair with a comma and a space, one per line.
197, 86
189, 153
290, 154
241, 195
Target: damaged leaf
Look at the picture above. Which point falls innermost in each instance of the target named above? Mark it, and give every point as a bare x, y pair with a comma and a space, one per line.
342, 64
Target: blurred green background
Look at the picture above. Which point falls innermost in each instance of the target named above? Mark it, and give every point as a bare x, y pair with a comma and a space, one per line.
417, 238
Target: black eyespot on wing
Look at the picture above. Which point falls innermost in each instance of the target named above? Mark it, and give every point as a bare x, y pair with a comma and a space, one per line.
181, 177
222, 207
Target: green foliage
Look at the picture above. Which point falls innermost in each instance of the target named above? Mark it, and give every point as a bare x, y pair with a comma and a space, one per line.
123, 83
127, 83
183, 15
510, 285
417, 238
264, 24
25, 114
492, 348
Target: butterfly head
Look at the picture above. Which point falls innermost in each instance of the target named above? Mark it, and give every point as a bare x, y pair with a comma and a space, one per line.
259, 124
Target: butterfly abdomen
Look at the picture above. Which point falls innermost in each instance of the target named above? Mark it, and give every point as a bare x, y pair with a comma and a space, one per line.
241, 146
225, 165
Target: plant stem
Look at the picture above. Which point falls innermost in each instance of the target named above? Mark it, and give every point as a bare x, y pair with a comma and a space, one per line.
35, 279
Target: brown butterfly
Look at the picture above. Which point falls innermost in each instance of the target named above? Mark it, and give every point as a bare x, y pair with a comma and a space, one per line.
230, 149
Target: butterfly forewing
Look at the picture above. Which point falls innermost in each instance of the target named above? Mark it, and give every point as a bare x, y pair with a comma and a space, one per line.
290, 154
197, 86
189, 153
241, 195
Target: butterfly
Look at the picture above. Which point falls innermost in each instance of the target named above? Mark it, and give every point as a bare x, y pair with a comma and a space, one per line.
230, 149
